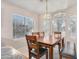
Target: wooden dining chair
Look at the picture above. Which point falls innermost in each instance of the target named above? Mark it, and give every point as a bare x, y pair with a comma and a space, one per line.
57, 35
40, 35
34, 48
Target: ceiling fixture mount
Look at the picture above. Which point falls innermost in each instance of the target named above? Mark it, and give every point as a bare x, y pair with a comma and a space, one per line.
41, 0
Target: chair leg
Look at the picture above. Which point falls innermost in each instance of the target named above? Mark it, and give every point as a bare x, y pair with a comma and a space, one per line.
59, 45
47, 55
37, 57
60, 52
29, 56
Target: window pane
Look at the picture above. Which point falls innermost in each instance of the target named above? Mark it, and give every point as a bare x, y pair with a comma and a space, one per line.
28, 25
18, 26
21, 25
46, 26
59, 24
72, 25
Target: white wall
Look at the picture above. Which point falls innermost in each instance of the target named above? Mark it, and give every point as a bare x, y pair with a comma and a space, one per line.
7, 11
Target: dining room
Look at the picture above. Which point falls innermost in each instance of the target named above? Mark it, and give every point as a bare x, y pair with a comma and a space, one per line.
45, 29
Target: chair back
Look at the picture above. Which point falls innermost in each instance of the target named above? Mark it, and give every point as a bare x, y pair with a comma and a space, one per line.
41, 34
36, 34
57, 35
31, 41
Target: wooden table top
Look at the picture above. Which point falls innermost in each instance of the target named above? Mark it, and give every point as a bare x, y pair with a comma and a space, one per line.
49, 40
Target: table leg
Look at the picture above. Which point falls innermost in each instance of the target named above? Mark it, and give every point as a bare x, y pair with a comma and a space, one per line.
60, 55
60, 52
50, 52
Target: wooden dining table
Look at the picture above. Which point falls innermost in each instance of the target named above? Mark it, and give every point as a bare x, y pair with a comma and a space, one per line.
50, 42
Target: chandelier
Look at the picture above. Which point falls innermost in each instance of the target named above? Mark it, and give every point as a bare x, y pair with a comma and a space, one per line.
46, 13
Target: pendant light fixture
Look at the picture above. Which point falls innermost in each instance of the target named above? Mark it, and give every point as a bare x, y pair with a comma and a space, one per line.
46, 14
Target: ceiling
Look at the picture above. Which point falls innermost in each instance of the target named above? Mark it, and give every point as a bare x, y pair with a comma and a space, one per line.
38, 6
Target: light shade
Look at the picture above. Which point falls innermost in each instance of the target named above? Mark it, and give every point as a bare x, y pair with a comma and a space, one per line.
47, 16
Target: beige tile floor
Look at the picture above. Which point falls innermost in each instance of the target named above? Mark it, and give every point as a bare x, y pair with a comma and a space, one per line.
7, 52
